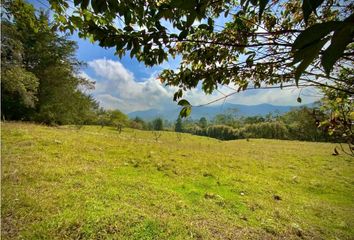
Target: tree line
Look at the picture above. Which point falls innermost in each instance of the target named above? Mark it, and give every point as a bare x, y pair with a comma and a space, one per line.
298, 124
301, 123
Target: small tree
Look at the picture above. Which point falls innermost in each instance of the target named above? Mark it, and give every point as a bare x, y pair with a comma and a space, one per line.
117, 117
157, 124
138, 123
203, 123
339, 108
179, 125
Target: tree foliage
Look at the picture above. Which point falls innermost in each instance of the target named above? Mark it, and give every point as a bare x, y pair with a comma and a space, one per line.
203, 122
339, 108
179, 125
39, 70
262, 43
18, 91
157, 124
297, 124
111, 118
138, 123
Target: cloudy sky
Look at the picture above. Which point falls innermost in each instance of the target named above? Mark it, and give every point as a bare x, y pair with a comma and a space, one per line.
132, 87
129, 85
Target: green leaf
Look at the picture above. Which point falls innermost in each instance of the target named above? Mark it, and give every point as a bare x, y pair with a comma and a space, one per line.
183, 35
226, 13
76, 21
309, 51
128, 28
77, 2
177, 95
262, 5
308, 54
184, 5
210, 22
134, 50
306, 9
249, 60
254, 2
99, 6
84, 4
243, 2
113, 5
300, 69
341, 38
127, 17
91, 39
184, 102
190, 19
315, 4
185, 112
119, 44
130, 44
147, 48
203, 26
166, 13
309, 6
161, 56
314, 33
140, 12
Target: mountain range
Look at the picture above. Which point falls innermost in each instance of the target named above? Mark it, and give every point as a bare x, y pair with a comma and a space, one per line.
210, 112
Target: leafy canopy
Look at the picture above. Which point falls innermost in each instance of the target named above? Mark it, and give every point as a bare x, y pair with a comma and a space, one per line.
261, 43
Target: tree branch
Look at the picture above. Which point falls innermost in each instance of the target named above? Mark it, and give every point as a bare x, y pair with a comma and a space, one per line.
234, 44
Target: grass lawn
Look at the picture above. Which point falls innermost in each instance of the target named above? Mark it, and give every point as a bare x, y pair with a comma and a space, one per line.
93, 183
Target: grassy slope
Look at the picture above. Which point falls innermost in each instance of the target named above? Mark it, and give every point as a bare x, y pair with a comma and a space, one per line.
91, 183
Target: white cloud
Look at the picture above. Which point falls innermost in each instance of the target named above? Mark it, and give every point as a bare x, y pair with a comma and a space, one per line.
116, 87
285, 97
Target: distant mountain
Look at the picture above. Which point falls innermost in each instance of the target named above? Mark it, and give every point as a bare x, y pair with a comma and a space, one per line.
211, 111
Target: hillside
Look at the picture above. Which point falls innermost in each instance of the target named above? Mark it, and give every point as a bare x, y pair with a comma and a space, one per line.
93, 183
211, 111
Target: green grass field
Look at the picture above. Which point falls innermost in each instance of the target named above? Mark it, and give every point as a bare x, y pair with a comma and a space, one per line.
93, 183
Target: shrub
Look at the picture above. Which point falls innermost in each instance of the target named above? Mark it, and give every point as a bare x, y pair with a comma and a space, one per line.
222, 132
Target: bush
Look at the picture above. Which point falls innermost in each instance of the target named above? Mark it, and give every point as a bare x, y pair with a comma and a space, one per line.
194, 129
272, 130
222, 132
138, 123
179, 125
157, 124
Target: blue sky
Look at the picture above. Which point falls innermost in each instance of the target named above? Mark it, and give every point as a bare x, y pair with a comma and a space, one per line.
130, 86
88, 51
